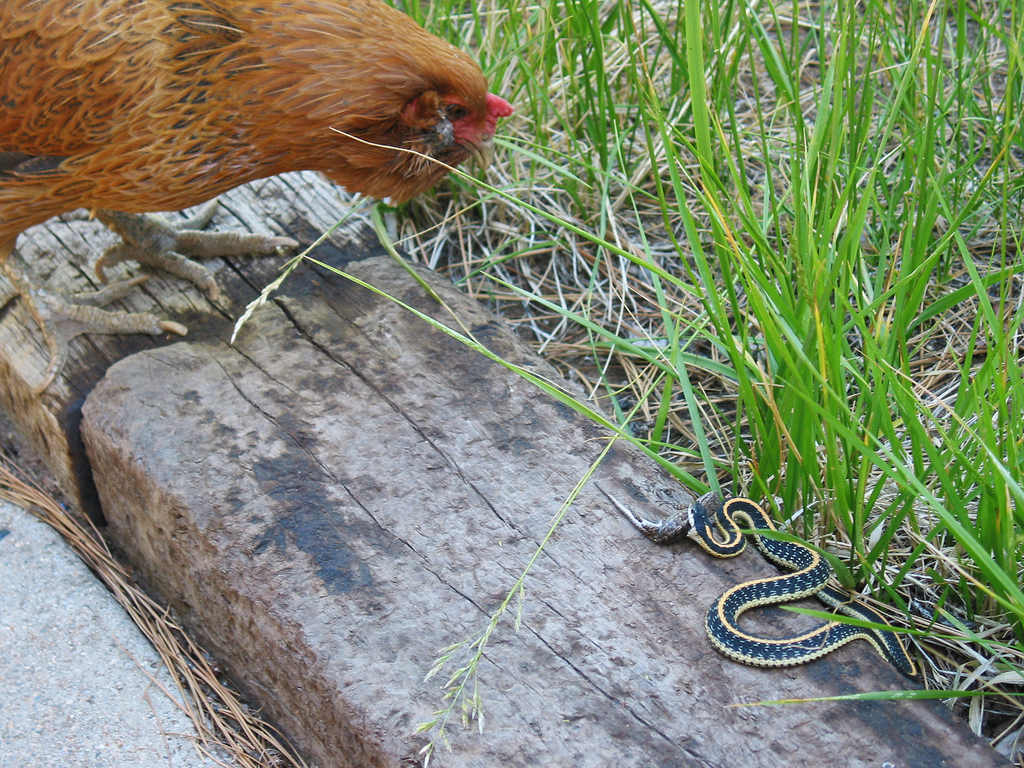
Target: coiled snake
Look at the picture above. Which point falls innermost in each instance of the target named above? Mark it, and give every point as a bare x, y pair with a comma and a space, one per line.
716, 527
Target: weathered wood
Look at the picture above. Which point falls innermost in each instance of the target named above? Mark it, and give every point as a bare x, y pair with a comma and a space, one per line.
60, 255
347, 491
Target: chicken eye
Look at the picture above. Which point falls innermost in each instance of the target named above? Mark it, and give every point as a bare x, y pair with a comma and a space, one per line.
457, 112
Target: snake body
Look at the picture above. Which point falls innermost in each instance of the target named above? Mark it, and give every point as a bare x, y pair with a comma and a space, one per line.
720, 534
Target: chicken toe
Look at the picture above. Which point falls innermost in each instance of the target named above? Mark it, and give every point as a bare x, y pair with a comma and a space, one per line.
62, 319
158, 243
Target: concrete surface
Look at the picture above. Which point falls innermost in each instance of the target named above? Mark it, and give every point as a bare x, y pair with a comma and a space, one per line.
76, 676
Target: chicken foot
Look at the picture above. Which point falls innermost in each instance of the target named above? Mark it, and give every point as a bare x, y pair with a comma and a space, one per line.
62, 319
151, 240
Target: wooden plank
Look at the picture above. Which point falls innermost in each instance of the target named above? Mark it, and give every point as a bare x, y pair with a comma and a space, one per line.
344, 493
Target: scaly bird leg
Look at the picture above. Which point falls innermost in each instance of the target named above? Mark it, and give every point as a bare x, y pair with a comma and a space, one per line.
154, 241
667, 531
62, 319
147, 239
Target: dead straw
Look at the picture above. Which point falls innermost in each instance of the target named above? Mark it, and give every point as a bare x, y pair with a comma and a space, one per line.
224, 723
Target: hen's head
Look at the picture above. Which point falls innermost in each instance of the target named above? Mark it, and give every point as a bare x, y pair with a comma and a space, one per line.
371, 99
451, 128
449, 118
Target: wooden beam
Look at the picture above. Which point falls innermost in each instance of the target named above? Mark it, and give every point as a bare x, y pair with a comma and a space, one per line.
344, 493
347, 491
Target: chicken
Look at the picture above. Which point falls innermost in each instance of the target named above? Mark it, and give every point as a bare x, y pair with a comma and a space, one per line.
133, 106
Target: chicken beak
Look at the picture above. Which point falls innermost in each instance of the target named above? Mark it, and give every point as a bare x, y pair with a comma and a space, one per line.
482, 152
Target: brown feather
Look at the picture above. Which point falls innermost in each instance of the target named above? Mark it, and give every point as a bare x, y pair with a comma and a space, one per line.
144, 105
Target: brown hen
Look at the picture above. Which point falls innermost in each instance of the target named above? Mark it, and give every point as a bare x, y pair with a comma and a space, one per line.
132, 106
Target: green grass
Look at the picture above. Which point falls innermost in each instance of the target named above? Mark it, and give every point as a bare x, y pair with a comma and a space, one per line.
790, 235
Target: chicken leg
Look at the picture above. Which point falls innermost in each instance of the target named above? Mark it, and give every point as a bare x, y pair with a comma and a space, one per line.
146, 239
62, 319
151, 240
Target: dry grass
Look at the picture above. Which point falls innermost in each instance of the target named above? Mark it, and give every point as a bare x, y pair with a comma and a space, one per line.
224, 723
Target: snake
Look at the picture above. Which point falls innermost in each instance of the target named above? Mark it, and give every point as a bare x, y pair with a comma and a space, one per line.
716, 526
719, 533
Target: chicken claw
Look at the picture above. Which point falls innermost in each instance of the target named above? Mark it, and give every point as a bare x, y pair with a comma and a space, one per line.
158, 243
62, 319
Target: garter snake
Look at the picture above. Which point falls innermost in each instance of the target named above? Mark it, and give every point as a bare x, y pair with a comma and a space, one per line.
717, 529
720, 535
